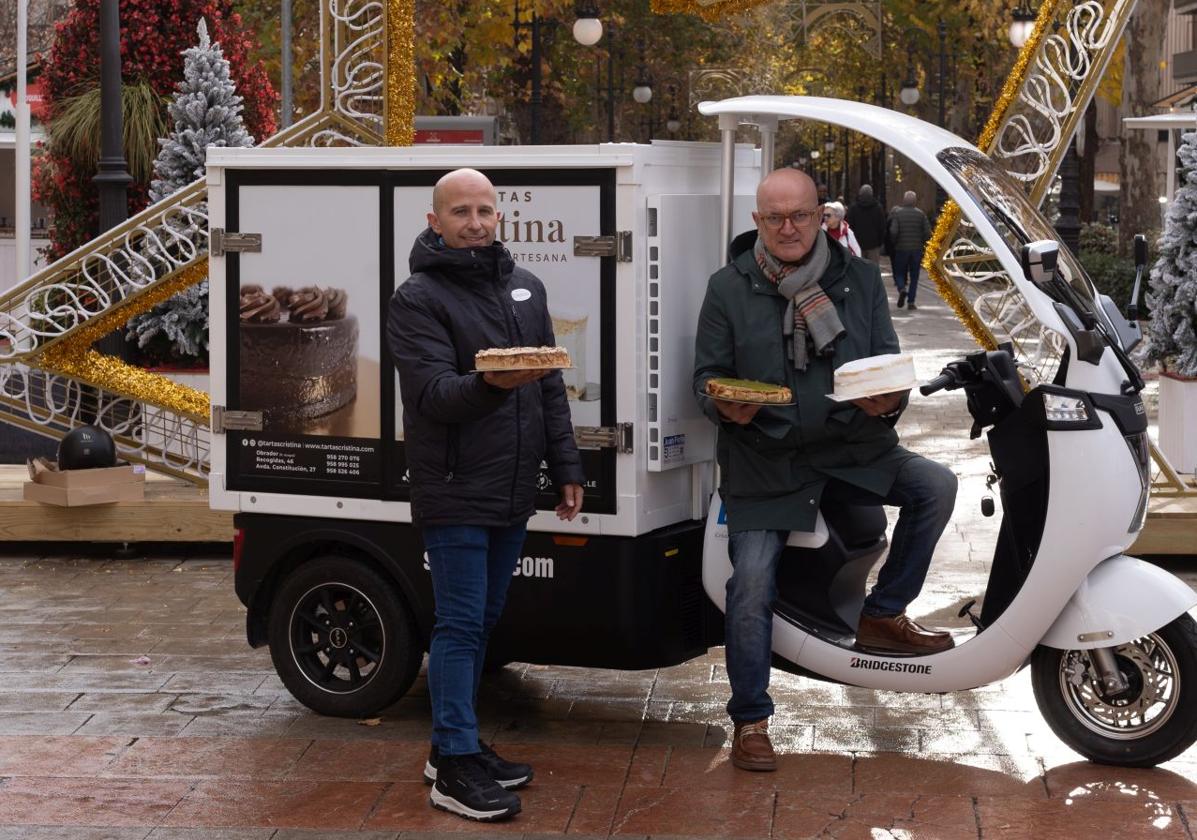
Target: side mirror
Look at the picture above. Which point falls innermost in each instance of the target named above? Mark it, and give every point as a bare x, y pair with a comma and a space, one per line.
1132, 308
1140, 250
1039, 260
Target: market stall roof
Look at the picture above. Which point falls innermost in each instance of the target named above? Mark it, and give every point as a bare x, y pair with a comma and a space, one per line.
1173, 119
1166, 122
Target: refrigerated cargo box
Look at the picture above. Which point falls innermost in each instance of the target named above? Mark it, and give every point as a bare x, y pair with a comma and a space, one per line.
307, 423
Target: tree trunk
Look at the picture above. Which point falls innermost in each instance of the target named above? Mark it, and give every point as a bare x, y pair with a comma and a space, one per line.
1140, 211
1089, 163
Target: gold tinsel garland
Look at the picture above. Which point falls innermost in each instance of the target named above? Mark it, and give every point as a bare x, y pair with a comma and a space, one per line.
72, 356
399, 111
949, 217
710, 10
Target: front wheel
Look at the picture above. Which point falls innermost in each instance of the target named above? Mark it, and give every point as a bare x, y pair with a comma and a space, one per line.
1152, 721
342, 638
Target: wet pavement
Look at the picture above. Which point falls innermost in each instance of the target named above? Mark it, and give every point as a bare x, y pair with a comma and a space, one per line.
131, 707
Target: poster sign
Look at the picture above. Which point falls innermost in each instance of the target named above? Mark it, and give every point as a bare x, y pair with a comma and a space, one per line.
307, 333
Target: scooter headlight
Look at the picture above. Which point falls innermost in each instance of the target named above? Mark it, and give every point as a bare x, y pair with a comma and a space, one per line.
1064, 408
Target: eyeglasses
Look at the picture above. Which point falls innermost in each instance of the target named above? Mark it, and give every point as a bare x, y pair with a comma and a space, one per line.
799, 218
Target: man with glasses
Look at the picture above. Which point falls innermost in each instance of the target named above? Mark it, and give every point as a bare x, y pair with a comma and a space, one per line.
788, 309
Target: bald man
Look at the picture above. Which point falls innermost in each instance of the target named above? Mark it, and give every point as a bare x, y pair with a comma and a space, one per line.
474, 446
790, 307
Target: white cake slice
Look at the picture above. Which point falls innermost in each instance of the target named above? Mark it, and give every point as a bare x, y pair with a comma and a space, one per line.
874, 375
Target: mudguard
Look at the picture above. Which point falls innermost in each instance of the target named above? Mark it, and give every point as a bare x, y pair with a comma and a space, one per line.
1121, 600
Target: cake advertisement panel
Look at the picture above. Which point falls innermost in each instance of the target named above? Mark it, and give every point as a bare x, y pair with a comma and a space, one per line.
308, 345
538, 224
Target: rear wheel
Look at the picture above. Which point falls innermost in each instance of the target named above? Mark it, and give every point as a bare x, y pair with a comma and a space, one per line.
1152, 721
342, 638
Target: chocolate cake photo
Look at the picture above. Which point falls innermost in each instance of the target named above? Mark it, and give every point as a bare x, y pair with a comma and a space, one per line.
298, 354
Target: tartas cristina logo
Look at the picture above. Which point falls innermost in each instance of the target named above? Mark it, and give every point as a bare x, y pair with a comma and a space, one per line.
889, 665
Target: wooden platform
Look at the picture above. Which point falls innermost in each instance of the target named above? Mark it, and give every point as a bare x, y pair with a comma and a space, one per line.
1171, 527
172, 511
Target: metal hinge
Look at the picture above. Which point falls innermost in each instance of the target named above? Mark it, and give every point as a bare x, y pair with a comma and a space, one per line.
240, 421
221, 241
618, 246
617, 437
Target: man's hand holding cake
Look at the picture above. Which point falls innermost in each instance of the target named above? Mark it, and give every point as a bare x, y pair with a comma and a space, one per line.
511, 367
738, 400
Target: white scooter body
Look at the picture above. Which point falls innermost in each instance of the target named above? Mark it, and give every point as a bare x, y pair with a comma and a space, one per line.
1082, 592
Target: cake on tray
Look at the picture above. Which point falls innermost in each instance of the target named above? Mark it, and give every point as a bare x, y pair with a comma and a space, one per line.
521, 358
747, 390
302, 367
874, 375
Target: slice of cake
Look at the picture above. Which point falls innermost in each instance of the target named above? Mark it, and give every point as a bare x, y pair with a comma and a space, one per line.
747, 390
875, 375
521, 358
300, 368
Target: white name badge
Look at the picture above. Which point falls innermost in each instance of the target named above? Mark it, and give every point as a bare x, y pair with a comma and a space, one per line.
520, 294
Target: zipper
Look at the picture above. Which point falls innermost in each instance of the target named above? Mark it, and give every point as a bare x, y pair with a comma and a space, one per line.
509, 322
451, 445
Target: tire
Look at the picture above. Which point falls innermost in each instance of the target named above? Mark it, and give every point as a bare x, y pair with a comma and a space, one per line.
1153, 721
342, 638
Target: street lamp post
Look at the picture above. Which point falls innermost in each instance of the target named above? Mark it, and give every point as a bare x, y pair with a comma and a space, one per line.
587, 30
112, 179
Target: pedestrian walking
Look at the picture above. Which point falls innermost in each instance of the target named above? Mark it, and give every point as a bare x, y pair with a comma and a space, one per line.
909, 229
867, 219
838, 229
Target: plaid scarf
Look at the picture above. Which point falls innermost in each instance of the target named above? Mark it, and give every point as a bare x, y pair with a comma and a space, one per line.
810, 315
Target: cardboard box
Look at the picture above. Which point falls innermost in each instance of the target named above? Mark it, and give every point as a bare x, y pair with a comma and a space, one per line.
72, 488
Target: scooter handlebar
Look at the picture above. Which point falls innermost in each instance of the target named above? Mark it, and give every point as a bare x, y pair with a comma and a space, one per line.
937, 384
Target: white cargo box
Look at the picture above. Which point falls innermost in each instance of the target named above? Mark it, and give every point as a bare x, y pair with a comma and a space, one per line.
625, 305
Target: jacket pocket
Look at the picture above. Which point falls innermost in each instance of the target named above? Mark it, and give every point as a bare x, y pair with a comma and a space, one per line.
753, 471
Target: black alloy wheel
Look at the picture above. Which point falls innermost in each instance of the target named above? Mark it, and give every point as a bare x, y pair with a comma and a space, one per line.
342, 638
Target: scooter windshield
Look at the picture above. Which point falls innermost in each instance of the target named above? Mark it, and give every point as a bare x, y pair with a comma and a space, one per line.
1005, 205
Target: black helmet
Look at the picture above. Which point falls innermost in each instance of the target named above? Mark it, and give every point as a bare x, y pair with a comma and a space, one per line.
86, 447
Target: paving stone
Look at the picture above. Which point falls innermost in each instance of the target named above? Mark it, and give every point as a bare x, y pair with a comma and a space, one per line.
74, 832
1007, 819
404, 806
212, 834
42, 723
236, 758
88, 801
874, 816
340, 806
741, 813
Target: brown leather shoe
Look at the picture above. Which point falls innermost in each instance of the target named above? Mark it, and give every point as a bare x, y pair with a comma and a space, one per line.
751, 747
898, 634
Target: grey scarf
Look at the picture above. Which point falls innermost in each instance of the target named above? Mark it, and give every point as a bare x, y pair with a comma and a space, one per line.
809, 312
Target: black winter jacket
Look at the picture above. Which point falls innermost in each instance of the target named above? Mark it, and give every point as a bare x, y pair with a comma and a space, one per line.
474, 451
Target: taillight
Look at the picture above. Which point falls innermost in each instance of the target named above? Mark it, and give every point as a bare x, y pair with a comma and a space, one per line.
238, 544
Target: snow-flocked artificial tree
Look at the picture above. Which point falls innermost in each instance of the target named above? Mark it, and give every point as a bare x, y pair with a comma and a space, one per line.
1172, 294
206, 111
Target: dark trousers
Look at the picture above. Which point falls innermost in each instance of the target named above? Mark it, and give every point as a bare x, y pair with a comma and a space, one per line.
471, 569
906, 271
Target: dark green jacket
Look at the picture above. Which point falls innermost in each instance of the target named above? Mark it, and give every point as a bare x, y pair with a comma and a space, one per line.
774, 469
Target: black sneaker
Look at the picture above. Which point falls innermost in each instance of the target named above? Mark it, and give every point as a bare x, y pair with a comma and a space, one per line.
901, 299
509, 774
464, 787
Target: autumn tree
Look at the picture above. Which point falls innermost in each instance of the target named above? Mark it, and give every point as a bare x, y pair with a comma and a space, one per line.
154, 35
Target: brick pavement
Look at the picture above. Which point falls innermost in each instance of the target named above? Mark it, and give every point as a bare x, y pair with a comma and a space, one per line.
131, 708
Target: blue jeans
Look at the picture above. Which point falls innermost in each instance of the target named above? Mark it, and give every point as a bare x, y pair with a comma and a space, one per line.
906, 266
471, 569
924, 490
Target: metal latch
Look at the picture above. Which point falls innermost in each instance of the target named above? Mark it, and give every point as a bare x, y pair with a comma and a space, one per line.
617, 437
241, 421
221, 241
618, 246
